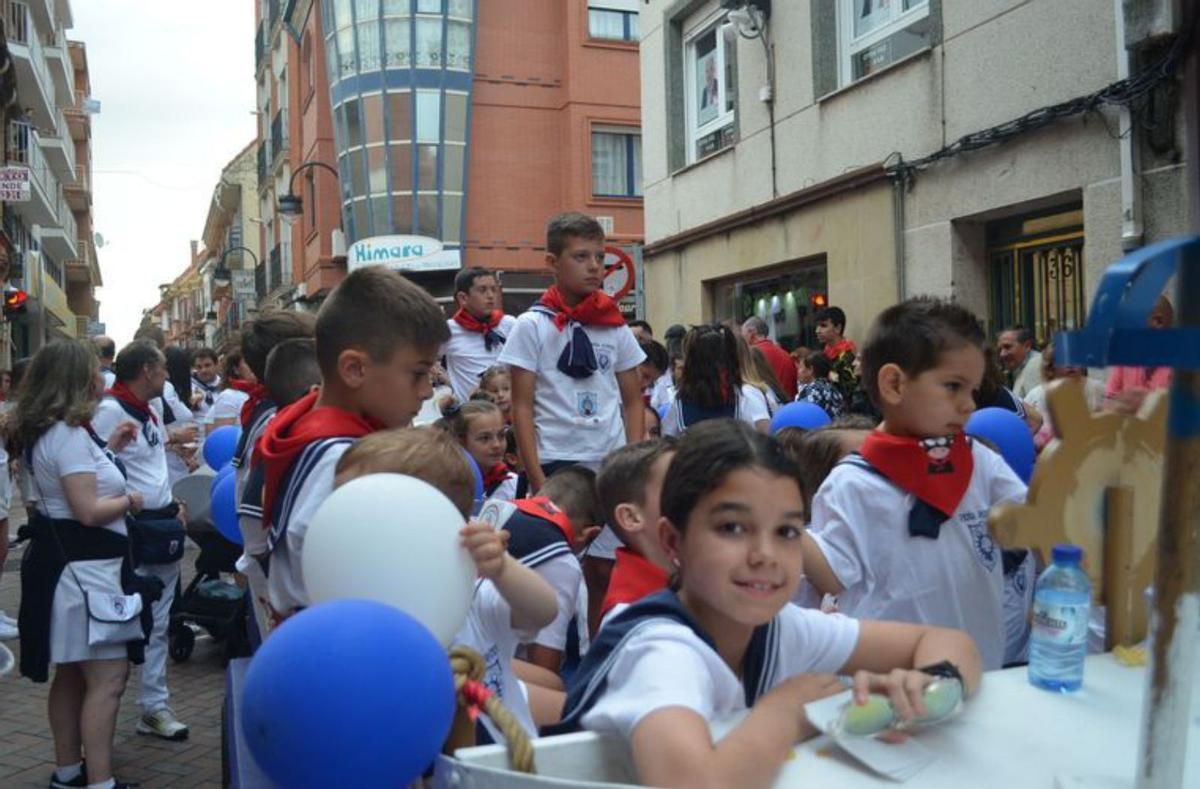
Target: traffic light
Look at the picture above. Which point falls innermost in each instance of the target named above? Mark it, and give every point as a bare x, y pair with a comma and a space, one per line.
14, 302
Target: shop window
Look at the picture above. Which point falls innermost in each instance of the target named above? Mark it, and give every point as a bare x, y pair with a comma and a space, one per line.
615, 20
616, 162
786, 297
873, 34
710, 77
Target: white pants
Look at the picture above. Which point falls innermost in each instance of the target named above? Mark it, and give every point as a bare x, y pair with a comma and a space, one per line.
154, 692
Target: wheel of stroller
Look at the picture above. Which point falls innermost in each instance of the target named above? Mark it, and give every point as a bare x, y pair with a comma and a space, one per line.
182, 644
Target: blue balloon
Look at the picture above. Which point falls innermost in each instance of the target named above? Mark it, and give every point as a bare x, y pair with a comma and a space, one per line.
802, 414
220, 444
348, 693
224, 509
1011, 436
478, 474
226, 471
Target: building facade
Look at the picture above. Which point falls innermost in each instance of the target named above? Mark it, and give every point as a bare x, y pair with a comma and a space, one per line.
47, 221
810, 156
466, 122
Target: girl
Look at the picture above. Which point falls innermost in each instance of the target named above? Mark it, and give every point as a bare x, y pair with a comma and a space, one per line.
711, 386
757, 372
667, 667
816, 387
496, 382
479, 427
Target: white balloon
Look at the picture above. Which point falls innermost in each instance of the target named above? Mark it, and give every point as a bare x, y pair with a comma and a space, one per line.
393, 539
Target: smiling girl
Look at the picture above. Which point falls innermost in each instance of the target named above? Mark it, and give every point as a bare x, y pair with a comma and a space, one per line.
725, 637
479, 427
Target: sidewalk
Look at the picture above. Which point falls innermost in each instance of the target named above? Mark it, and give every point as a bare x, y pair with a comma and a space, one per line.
197, 693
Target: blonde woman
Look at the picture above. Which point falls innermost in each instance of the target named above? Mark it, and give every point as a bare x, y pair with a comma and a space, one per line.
79, 544
757, 372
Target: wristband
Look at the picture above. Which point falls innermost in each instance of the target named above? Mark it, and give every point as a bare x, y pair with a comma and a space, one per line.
945, 670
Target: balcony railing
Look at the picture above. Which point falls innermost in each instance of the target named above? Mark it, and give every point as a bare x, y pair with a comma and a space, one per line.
262, 165
24, 148
83, 178
20, 29
275, 274
66, 218
260, 45
279, 135
60, 43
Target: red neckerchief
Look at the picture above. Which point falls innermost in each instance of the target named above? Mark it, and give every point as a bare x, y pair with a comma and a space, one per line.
494, 476
935, 470
542, 507
293, 429
832, 352
633, 577
255, 394
598, 309
471, 323
125, 395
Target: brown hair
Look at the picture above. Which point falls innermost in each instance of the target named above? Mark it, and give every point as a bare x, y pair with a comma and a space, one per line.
815, 453
291, 371
267, 330
377, 311
494, 371
573, 490
623, 477
428, 455
456, 419
570, 224
58, 386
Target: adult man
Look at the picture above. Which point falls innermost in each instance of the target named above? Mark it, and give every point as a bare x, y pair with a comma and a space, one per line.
1020, 360
758, 336
642, 331
106, 349
206, 382
478, 330
141, 372
1127, 387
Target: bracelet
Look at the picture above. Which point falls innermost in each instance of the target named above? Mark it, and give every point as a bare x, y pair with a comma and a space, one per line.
944, 669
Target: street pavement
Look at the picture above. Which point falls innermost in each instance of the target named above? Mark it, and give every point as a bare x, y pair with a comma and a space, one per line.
197, 693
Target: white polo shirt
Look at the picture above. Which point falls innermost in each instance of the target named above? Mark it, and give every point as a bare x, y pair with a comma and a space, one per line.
467, 355
62, 451
860, 523
145, 457
576, 419
752, 408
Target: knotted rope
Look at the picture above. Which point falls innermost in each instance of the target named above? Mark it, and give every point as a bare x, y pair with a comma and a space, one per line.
475, 697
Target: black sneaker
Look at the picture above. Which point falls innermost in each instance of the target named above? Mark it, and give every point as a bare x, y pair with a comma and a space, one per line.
74, 783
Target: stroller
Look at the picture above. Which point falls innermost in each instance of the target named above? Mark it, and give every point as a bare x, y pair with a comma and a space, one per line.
217, 606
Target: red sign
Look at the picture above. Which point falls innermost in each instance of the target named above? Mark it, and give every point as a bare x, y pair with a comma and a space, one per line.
620, 276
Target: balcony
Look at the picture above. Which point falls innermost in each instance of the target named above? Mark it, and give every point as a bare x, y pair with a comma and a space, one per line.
79, 192
60, 149
61, 239
84, 267
25, 149
264, 179
62, 71
260, 47
34, 83
275, 270
279, 136
79, 120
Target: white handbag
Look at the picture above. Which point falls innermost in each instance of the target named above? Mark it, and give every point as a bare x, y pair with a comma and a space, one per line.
113, 618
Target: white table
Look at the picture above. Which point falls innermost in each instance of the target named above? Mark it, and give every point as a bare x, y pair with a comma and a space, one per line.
1010, 734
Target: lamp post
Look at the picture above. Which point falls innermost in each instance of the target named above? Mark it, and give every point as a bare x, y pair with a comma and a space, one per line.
221, 276
291, 204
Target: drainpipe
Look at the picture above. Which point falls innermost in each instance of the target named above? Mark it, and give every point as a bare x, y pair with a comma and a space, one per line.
1132, 232
899, 185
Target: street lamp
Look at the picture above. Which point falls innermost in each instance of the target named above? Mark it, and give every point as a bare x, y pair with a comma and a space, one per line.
291, 204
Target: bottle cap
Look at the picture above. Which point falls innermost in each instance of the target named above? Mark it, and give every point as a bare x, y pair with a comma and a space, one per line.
1067, 554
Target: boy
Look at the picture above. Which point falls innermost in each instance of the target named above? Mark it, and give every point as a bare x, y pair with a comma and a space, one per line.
575, 387
377, 340
900, 531
511, 602
478, 330
630, 485
831, 325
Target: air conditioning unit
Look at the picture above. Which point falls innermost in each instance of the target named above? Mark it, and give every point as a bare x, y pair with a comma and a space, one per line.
607, 224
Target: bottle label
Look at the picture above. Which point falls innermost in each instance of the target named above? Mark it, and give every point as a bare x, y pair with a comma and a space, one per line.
1061, 625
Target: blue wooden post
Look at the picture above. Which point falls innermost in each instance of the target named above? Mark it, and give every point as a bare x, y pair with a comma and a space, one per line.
1116, 334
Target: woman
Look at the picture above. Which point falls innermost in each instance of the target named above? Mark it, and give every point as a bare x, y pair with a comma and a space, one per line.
82, 503
757, 372
177, 417
711, 386
240, 383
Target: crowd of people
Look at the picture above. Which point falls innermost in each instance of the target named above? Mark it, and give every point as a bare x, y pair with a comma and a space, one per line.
651, 557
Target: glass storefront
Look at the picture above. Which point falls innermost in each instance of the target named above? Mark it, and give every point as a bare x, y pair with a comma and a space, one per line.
786, 297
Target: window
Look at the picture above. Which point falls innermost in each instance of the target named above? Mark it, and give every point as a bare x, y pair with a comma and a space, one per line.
710, 75
613, 19
876, 33
616, 162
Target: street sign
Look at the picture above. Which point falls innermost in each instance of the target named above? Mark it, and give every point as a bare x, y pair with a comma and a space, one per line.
402, 253
243, 284
96, 328
15, 184
619, 273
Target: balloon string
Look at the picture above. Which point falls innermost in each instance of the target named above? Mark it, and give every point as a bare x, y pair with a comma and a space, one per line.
474, 697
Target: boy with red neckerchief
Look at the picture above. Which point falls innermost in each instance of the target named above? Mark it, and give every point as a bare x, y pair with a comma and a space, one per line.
830, 325
899, 530
478, 330
575, 389
377, 339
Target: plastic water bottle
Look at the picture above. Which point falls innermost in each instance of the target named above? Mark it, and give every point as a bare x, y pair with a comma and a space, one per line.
1058, 640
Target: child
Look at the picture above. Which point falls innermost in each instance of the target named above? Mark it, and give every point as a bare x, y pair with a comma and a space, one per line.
653, 425
817, 388
831, 325
576, 395
375, 374
711, 386
478, 426
630, 485
652, 373
900, 531
478, 330
725, 638
511, 602
496, 383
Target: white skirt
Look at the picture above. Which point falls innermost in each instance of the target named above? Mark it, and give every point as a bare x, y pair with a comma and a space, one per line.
68, 616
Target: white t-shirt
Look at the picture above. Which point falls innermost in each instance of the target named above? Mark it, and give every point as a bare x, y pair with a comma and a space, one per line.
860, 523
752, 408
285, 583
65, 450
663, 391
228, 405
110, 378
665, 664
489, 631
145, 457
467, 355
576, 418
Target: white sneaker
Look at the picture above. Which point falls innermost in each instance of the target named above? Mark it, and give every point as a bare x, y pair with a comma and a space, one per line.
162, 723
8, 632
5, 619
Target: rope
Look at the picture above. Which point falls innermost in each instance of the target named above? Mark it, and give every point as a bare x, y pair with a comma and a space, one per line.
473, 696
